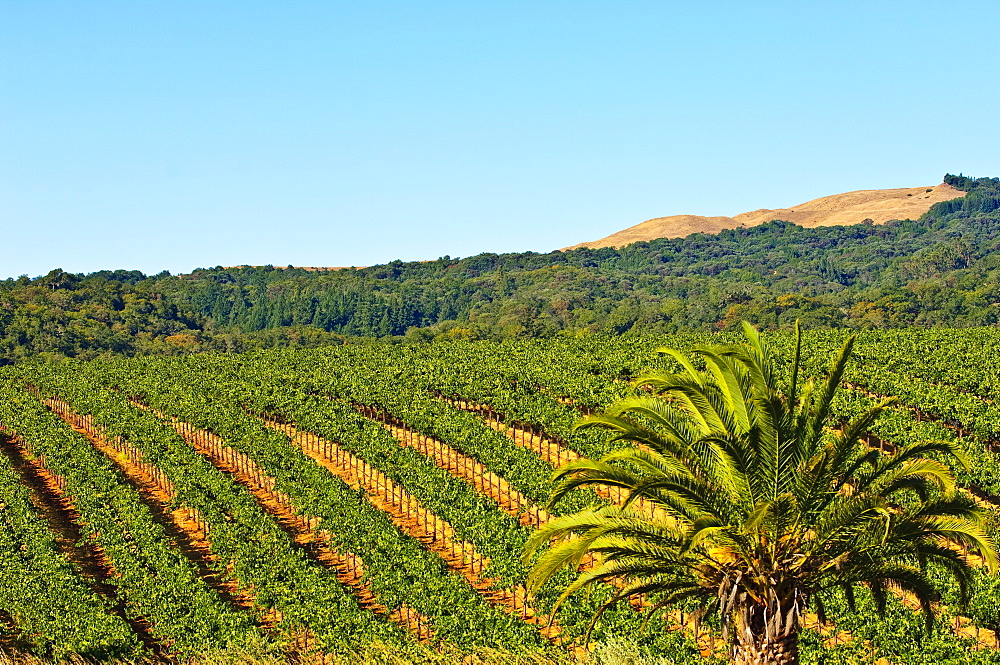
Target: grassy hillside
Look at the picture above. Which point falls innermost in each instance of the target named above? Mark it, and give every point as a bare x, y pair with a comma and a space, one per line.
942, 269
876, 205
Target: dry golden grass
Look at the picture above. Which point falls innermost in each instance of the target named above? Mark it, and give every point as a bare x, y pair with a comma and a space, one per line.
878, 205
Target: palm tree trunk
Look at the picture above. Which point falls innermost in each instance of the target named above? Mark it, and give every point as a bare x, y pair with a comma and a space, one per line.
758, 649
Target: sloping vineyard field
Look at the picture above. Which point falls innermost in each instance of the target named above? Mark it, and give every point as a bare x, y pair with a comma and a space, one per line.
312, 502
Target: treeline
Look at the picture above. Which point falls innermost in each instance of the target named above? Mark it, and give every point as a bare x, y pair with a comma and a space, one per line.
943, 269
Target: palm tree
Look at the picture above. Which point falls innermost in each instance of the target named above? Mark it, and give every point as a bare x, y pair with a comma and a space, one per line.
739, 494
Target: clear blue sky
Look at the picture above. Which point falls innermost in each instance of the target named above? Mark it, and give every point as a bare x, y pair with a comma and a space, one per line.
173, 135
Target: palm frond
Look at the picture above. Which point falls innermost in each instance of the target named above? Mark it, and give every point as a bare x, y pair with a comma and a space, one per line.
743, 495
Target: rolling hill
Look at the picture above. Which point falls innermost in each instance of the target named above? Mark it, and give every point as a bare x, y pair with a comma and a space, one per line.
939, 268
878, 205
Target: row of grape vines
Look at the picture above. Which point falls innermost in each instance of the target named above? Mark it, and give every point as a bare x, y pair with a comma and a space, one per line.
384, 493
539, 403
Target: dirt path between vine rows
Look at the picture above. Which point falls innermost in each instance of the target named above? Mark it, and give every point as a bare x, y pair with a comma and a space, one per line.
557, 453
184, 525
923, 415
303, 529
962, 626
516, 504
415, 520
48, 494
10, 642
469, 469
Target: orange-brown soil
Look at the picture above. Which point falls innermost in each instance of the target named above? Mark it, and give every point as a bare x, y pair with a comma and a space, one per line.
304, 529
412, 518
48, 494
514, 503
184, 525
557, 453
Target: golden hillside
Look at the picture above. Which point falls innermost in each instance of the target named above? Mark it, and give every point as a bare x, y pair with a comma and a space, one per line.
878, 205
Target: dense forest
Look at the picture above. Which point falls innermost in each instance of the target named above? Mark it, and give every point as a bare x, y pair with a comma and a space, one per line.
942, 269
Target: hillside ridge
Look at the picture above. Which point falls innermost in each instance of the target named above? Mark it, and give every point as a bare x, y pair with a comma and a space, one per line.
935, 269
878, 205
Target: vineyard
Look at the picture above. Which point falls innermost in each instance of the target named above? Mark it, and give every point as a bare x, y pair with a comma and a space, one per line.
313, 501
